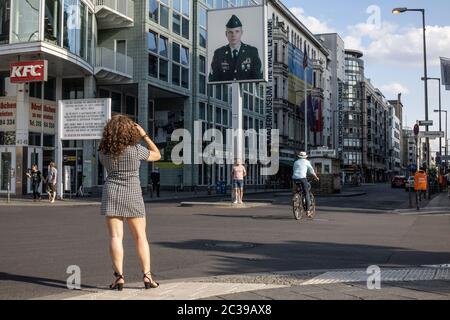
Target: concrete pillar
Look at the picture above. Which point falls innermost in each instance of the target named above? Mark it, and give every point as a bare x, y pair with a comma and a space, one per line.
190, 171
22, 121
143, 122
89, 146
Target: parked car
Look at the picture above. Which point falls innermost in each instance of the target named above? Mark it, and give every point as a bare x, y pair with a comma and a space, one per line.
398, 182
409, 184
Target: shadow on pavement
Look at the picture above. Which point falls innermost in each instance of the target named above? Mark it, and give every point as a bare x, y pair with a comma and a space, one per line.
242, 257
53, 283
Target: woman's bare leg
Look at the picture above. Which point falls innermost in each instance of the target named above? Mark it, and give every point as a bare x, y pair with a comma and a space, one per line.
138, 229
115, 228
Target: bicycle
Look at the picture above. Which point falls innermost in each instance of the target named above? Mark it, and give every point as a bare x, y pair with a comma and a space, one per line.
299, 202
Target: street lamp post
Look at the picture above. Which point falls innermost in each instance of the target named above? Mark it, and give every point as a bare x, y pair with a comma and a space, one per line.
446, 140
402, 10
440, 108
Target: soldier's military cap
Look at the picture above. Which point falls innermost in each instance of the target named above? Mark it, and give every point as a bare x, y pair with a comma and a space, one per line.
234, 22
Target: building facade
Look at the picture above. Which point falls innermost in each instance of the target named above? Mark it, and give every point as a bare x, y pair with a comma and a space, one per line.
290, 41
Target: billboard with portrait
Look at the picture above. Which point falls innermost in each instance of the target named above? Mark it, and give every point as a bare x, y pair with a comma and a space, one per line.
237, 45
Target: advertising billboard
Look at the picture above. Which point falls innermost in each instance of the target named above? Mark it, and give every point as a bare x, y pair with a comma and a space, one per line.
28, 71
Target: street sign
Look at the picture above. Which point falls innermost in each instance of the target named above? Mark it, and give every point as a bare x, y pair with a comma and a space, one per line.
416, 129
432, 134
425, 123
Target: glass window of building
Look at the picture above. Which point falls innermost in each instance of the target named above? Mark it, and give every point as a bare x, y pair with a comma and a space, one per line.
152, 42
25, 21
153, 10
185, 28
73, 88
163, 70
176, 23
35, 89
5, 7
202, 111
52, 21
176, 52
153, 66
202, 75
202, 29
74, 27
218, 116
175, 74
184, 56
176, 4
82, 31
164, 16
163, 46
225, 117
90, 40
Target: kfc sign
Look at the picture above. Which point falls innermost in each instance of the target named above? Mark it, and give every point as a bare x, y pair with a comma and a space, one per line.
28, 71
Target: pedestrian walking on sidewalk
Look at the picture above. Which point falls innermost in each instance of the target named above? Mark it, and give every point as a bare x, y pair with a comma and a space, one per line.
155, 177
36, 177
237, 175
121, 155
51, 180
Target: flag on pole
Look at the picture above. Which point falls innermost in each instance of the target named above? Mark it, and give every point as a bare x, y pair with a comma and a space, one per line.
305, 57
445, 72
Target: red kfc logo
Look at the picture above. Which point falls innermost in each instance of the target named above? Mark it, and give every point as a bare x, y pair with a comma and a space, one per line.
28, 71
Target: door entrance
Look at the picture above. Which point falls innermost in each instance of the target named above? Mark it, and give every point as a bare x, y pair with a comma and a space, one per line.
7, 169
72, 171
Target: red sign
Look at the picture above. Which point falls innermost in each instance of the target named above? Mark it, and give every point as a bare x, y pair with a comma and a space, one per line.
28, 71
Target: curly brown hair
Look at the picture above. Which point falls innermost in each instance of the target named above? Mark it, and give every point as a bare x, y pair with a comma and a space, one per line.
119, 133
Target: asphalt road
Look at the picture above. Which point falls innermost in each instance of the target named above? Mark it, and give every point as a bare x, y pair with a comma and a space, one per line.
37, 245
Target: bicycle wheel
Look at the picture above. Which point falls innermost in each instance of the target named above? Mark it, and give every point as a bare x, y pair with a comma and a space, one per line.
297, 207
313, 206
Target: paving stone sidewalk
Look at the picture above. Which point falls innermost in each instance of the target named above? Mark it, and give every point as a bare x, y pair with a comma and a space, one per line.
415, 283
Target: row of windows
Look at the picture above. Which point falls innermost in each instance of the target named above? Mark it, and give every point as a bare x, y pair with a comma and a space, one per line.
160, 58
67, 23
221, 116
297, 41
175, 13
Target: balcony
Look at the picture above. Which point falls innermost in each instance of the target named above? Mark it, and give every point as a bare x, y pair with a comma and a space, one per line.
113, 67
318, 65
114, 13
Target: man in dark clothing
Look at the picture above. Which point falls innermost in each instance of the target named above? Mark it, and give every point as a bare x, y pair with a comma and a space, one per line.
155, 176
36, 177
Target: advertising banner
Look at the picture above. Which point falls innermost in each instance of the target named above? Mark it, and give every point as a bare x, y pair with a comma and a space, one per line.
36, 116
28, 71
7, 114
445, 72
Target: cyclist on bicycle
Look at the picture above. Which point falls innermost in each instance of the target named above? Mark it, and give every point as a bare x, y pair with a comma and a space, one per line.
301, 168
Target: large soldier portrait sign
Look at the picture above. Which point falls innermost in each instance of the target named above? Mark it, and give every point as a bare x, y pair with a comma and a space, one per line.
237, 45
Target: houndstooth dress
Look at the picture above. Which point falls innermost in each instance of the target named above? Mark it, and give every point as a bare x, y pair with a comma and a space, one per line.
122, 193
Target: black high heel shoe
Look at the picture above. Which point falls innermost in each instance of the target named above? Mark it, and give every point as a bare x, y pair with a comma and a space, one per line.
151, 284
115, 285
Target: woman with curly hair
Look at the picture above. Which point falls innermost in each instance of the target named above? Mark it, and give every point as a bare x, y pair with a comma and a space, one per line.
121, 154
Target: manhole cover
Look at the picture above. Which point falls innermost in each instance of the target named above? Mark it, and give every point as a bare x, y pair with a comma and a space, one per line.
230, 245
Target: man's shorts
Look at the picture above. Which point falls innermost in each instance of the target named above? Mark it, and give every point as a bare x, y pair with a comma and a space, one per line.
51, 188
238, 184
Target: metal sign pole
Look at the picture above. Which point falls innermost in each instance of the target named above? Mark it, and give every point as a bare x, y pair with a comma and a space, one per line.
59, 152
237, 120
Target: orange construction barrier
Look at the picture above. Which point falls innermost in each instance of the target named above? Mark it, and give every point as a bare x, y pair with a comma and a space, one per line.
420, 181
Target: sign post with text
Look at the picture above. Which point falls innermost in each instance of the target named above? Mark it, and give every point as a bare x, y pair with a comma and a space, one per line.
82, 119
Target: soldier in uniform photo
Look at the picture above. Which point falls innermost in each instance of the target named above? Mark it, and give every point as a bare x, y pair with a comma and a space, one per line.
235, 61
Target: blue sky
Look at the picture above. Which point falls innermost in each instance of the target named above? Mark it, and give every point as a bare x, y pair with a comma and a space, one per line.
391, 44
